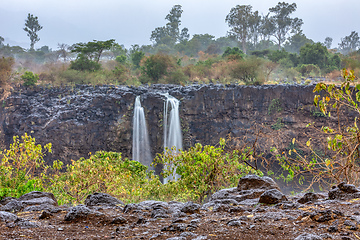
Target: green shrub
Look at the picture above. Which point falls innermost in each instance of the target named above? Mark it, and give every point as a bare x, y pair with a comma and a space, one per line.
82, 63
121, 59
248, 71
29, 78
106, 172
205, 169
22, 167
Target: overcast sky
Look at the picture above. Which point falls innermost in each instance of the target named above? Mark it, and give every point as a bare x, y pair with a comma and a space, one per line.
131, 22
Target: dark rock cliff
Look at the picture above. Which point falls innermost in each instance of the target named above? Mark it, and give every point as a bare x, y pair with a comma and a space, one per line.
82, 119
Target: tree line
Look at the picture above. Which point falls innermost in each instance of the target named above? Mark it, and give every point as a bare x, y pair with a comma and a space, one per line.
256, 49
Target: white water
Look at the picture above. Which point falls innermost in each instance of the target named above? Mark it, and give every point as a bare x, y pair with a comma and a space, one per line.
141, 147
172, 128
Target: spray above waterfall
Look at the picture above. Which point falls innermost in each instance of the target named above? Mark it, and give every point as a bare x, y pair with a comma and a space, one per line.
141, 146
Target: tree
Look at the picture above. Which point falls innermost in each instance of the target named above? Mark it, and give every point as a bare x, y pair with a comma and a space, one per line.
239, 22
296, 41
184, 35
93, 50
174, 21
32, 26
1, 41
316, 54
282, 22
170, 33
254, 28
63, 50
136, 55
328, 42
349, 43
156, 66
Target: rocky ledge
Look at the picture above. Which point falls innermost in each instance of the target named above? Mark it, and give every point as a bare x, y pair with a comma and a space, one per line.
255, 209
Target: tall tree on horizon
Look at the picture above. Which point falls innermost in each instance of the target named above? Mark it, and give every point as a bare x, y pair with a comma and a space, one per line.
239, 21
32, 26
170, 33
350, 43
283, 23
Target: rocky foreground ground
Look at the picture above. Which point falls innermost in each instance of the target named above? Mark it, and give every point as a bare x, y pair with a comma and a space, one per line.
255, 209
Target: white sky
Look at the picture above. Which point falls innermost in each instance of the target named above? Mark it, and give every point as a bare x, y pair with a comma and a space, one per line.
131, 22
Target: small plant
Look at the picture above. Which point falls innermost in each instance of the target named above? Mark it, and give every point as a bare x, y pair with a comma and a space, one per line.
278, 125
275, 106
29, 79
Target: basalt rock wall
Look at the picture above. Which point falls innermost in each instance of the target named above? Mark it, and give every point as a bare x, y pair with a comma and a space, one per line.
82, 119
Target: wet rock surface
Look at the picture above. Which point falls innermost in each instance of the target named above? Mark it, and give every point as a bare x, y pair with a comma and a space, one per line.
83, 119
221, 218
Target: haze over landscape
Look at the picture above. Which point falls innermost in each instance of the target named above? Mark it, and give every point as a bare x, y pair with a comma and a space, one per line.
131, 22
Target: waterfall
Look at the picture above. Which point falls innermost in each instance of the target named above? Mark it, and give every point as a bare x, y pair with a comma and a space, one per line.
141, 147
172, 128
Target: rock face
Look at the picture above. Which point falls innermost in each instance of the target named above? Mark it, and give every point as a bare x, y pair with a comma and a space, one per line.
83, 119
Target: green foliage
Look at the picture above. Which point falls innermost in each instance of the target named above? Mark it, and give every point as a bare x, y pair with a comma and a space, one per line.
121, 59
20, 167
342, 140
248, 71
93, 50
29, 78
233, 53
82, 63
206, 169
104, 172
278, 125
309, 70
275, 106
136, 56
156, 66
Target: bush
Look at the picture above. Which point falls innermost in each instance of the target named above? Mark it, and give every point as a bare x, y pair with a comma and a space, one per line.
22, 167
106, 172
233, 53
29, 78
6, 65
309, 70
82, 63
248, 71
158, 65
205, 169
121, 59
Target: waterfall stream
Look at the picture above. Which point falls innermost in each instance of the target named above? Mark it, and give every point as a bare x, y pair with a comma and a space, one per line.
141, 146
172, 128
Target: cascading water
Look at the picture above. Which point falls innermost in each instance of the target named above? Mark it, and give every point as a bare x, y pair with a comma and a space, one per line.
141, 147
172, 128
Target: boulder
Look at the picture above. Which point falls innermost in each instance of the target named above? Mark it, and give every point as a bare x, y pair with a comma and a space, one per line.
308, 236
344, 191
309, 197
272, 196
102, 199
7, 217
31, 196
80, 211
252, 181
190, 207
